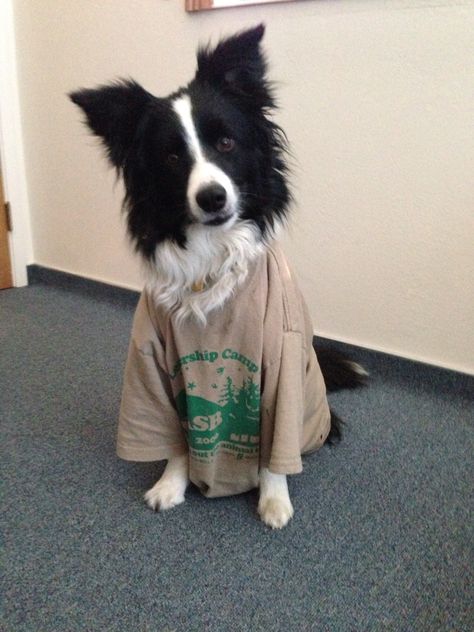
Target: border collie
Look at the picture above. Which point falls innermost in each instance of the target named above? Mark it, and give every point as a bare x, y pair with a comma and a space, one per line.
206, 185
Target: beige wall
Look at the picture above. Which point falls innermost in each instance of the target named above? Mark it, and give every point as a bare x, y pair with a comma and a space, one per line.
377, 99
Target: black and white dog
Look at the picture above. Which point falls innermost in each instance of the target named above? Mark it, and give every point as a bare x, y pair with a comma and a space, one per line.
206, 190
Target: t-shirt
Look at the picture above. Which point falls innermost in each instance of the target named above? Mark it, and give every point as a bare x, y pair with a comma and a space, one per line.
242, 392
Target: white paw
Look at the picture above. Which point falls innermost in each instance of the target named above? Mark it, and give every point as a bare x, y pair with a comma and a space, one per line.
165, 495
275, 512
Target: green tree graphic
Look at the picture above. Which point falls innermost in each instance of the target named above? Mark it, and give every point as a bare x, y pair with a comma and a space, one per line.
234, 418
227, 394
252, 392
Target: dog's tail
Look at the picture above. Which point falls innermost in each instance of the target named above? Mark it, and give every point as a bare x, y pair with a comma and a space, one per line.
339, 371
335, 431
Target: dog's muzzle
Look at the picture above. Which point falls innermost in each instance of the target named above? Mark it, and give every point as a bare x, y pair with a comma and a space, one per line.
212, 196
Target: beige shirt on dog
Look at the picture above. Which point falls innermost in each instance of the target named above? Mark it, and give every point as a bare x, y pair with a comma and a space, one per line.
243, 392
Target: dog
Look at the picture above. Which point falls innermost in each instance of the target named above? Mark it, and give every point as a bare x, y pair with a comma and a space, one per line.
221, 380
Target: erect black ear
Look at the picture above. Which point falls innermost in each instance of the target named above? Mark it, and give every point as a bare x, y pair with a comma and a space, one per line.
113, 112
238, 65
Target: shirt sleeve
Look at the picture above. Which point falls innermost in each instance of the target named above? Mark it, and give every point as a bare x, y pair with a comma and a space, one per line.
295, 413
283, 409
149, 427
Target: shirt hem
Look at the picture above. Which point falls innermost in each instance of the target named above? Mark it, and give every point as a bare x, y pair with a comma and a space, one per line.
150, 454
285, 467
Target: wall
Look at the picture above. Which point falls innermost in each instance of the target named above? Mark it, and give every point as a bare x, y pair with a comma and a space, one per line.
12, 159
376, 98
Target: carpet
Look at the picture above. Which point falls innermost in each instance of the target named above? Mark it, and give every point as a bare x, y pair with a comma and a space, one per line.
382, 537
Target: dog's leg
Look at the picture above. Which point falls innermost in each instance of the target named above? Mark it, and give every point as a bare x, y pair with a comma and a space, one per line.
274, 505
169, 490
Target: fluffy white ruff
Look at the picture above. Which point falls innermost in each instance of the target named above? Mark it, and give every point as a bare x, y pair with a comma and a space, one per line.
274, 505
219, 256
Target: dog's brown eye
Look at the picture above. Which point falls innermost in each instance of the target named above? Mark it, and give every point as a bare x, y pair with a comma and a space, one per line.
172, 160
225, 144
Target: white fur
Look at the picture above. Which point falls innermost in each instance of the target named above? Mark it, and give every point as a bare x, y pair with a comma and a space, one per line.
183, 108
203, 172
218, 255
357, 368
169, 490
274, 505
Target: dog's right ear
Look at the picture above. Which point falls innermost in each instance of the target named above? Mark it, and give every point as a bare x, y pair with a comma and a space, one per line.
113, 112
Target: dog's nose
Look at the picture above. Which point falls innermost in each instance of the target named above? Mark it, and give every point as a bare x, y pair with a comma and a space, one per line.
212, 198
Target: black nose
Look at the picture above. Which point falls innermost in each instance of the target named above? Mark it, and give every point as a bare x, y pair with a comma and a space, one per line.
211, 198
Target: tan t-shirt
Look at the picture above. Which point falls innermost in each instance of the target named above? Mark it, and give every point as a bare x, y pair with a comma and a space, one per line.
244, 391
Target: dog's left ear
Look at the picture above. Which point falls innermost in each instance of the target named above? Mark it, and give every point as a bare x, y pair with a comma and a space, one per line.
237, 65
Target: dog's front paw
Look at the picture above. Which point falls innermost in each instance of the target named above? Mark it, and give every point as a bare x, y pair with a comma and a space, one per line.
275, 512
165, 495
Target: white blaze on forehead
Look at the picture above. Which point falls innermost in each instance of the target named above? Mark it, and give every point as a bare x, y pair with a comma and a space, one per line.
203, 171
182, 107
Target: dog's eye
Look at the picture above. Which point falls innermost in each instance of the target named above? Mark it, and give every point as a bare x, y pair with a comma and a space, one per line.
225, 144
172, 160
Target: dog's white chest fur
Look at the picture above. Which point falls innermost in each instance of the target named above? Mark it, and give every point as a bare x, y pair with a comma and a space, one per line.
217, 258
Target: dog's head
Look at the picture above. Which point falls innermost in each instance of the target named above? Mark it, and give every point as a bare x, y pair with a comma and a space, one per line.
207, 154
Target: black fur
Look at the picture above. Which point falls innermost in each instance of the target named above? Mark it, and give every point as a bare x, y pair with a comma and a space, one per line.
339, 371
335, 432
230, 97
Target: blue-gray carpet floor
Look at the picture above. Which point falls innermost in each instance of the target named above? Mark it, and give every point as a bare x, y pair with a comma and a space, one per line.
382, 537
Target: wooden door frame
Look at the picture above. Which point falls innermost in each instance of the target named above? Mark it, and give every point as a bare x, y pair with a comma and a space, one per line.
6, 276
11, 149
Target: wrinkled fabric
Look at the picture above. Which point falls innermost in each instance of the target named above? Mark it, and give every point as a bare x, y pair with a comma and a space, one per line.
244, 391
